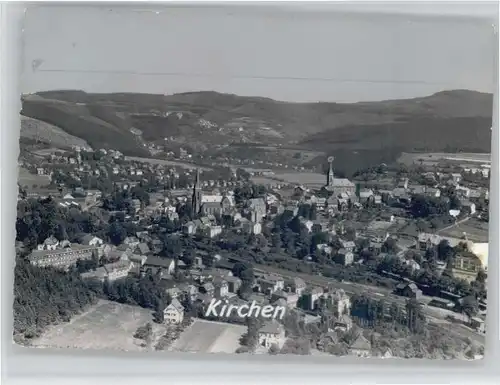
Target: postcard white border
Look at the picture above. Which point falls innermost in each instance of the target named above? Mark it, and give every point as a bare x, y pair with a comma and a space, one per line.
43, 366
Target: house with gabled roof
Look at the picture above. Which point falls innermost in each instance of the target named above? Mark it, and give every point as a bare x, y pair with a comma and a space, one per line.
142, 248
296, 285
221, 287
91, 240
234, 283
271, 333
409, 290
361, 347
163, 266
174, 312
117, 270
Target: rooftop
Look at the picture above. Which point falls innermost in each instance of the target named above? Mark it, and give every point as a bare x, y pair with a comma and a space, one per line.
74, 247
271, 327
158, 261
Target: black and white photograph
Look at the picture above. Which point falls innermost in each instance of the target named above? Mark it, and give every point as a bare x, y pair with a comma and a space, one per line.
253, 180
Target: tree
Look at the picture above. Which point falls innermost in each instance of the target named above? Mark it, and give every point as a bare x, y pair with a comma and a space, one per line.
423, 206
340, 349
455, 203
289, 238
242, 174
421, 225
242, 194
188, 305
274, 349
415, 317
117, 233
431, 255
444, 250
250, 339
313, 212
45, 296
144, 332
381, 310
261, 242
394, 312
481, 276
275, 242
247, 276
319, 256
295, 225
469, 306
189, 257
390, 245
238, 268
304, 211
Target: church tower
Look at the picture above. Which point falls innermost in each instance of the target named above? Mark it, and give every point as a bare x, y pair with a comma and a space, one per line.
330, 176
196, 198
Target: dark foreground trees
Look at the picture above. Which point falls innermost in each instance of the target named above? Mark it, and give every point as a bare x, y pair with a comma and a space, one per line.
45, 296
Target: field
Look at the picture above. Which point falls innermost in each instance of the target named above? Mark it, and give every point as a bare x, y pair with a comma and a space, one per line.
107, 325
305, 178
165, 162
30, 180
47, 133
309, 179
266, 181
476, 230
291, 154
434, 157
46, 151
209, 337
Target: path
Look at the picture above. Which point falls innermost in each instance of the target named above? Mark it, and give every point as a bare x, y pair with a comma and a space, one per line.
453, 225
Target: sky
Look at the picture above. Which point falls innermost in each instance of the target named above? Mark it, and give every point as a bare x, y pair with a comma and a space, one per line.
320, 54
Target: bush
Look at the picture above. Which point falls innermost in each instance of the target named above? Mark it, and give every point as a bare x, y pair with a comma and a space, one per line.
274, 349
144, 332
242, 349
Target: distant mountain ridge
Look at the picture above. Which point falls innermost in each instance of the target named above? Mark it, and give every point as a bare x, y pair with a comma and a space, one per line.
458, 118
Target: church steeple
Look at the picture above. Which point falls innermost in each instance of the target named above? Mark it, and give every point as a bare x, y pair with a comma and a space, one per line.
196, 198
197, 179
330, 176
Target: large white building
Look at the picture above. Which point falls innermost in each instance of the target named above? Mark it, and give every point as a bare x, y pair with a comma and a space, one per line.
60, 255
174, 313
272, 333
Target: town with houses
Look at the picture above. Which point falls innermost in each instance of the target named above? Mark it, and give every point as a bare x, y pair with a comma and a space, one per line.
390, 262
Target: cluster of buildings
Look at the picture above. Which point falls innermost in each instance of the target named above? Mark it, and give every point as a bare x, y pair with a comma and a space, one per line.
466, 265
66, 168
214, 211
200, 284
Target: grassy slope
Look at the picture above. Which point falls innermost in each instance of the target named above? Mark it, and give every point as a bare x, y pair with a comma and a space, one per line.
44, 132
98, 126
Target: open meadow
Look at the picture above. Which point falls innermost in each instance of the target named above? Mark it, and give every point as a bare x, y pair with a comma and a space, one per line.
166, 162
475, 230
409, 158
209, 337
47, 133
107, 325
309, 179
31, 180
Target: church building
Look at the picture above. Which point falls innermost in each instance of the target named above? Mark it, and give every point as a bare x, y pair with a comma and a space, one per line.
209, 204
338, 186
